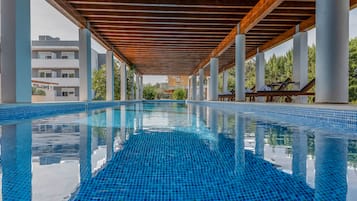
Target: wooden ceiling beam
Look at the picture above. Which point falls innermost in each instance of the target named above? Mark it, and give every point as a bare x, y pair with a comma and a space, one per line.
136, 16
178, 40
168, 3
158, 9
254, 16
163, 22
163, 32
353, 4
174, 36
109, 26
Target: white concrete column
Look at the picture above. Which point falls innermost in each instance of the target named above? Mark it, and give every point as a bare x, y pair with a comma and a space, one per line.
110, 76
208, 88
332, 51
201, 81
225, 81
123, 82
240, 67
300, 63
132, 97
214, 79
189, 88
15, 51
194, 87
137, 83
259, 74
141, 87
85, 66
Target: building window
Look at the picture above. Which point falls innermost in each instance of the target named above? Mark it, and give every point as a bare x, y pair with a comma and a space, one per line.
67, 92
67, 55
67, 73
46, 55
45, 74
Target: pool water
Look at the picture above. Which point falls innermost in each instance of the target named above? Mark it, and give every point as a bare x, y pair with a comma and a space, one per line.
174, 151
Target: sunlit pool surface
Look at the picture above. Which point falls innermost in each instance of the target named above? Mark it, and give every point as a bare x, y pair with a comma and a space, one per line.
174, 151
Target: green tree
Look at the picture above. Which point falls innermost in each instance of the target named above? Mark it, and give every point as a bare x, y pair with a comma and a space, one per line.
179, 94
353, 71
99, 82
37, 91
149, 92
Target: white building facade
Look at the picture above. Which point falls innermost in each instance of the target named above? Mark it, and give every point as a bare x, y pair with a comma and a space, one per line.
56, 62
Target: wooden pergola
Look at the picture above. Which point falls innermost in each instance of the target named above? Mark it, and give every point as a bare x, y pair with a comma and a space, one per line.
178, 37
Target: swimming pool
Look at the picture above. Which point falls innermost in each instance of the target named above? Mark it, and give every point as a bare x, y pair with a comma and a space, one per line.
178, 151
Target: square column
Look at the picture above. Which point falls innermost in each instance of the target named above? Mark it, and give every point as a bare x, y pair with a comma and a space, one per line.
201, 81
332, 51
225, 81
240, 67
85, 66
15, 51
214, 79
137, 82
132, 96
300, 63
259, 74
189, 89
208, 88
141, 87
123, 81
110, 76
194, 87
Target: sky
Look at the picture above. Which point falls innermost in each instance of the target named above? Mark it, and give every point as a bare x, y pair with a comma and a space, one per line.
46, 20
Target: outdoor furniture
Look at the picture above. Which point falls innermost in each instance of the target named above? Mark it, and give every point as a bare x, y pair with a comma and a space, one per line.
284, 93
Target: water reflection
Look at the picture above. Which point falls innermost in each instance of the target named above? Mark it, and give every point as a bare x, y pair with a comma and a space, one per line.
299, 154
16, 161
331, 168
70, 149
239, 153
85, 147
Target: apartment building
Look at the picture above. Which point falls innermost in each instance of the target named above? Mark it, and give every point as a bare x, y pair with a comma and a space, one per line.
55, 68
177, 82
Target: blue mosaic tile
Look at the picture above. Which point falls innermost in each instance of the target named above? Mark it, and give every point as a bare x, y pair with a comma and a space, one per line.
179, 166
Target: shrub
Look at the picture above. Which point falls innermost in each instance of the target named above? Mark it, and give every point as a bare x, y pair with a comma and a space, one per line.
179, 94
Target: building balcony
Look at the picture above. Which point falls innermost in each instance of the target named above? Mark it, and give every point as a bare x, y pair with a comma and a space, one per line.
55, 63
62, 82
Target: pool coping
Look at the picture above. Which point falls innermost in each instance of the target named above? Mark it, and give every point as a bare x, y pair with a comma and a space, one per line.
337, 118
22, 111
